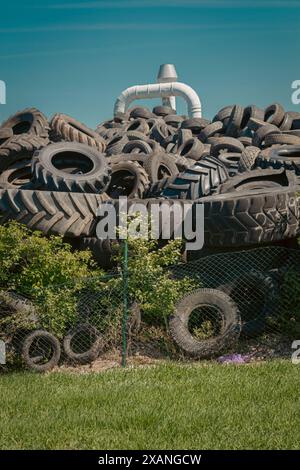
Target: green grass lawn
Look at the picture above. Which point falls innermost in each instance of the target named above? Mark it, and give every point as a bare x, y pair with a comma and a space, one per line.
161, 407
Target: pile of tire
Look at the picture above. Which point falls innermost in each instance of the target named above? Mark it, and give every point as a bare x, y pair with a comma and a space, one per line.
243, 165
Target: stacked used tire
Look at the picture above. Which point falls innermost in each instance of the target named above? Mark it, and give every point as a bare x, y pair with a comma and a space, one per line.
243, 165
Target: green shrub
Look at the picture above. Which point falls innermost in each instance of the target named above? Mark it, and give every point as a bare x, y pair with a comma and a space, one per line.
150, 282
45, 270
64, 284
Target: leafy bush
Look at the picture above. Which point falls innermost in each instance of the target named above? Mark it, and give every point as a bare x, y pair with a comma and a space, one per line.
150, 281
45, 270
65, 285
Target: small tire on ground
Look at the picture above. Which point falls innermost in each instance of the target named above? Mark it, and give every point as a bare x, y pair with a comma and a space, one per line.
229, 317
40, 345
82, 353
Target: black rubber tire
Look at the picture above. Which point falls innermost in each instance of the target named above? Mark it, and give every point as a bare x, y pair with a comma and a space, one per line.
155, 189
101, 250
128, 179
196, 125
116, 145
163, 110
108, 134
20, 147
235, 121
71, 130
282, 156
230, 330
17, 175
248, 158
5, 133
160, 132
287, 123
81, 158
281, 139
251, 217
210, 130
127, 157
140, 112
251, 112
182, 163
230, 160
12, 303
173, 120
66, 214
274, 114
223, 113
254, 124
261, 133
258, 180
192, 148
138, 125
183, 135
136, 135
226, 143
137, 146
84, 357
199, 180
246, 141
160, 165
44, 337
28, 121
256, 294
295, 132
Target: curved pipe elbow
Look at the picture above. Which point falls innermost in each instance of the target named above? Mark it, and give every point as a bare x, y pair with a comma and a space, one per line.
162, 90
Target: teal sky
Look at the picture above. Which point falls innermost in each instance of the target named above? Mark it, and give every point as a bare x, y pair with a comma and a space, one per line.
77, 56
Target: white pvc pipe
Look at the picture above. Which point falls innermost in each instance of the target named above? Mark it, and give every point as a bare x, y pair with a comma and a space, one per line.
163, 90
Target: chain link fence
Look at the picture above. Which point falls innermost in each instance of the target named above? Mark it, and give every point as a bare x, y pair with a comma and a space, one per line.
241, 304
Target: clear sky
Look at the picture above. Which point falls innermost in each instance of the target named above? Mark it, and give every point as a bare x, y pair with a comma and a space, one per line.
76, 56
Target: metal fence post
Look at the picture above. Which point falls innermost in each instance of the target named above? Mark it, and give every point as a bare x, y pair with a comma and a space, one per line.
125, 303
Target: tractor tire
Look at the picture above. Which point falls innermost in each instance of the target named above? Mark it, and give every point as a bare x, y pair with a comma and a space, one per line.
17, 175
20, 147
199, 180
28, 121
66, 214
88, 169
128, 178
71, 130
258, 180
159, 166
242, 218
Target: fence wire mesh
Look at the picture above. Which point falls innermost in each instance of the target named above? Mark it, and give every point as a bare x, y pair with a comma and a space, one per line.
244, 302
264, 285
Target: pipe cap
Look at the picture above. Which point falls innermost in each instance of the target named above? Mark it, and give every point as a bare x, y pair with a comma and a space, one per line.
167, 73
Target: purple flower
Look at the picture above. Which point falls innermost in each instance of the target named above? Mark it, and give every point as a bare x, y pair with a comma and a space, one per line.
233, 359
